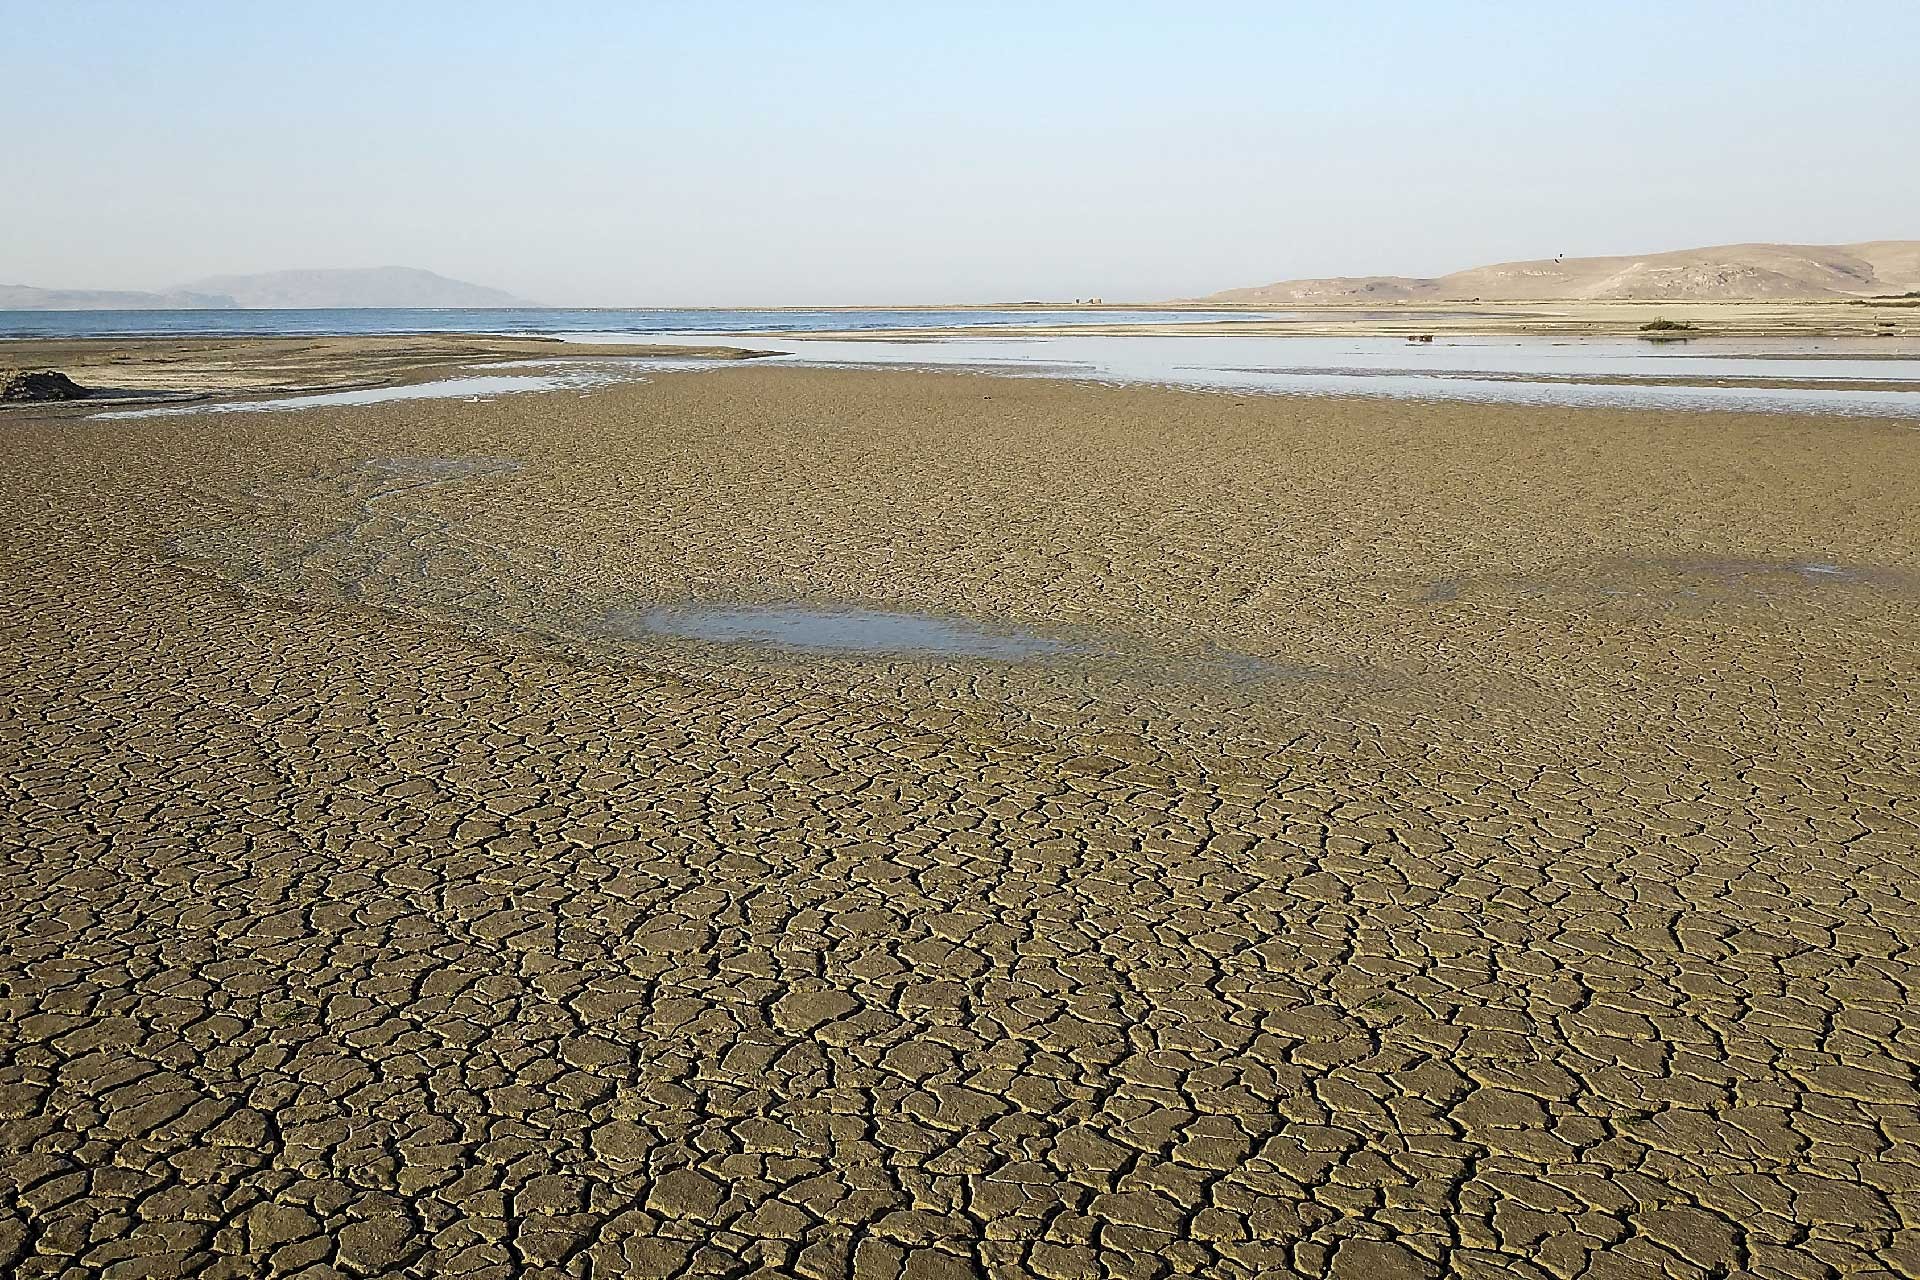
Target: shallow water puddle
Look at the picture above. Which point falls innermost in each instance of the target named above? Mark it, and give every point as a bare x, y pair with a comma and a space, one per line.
1702, 581
831, 630
572, 376
472, 388
1813, 572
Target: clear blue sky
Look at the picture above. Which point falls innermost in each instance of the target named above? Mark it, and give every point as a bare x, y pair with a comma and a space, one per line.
720, 153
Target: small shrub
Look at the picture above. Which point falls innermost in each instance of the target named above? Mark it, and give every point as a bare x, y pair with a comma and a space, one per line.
1664, 326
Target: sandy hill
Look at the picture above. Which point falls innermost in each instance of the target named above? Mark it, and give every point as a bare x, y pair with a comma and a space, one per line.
361, 287
1732, 273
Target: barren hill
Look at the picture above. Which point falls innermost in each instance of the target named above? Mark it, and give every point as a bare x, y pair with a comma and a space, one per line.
1732, 273
358, 287
26, 297
361, 287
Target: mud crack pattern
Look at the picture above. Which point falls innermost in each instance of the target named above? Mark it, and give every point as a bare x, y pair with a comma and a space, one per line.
1546, 908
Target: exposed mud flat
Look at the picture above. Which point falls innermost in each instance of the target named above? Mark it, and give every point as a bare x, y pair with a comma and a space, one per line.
188, 375
1470, 840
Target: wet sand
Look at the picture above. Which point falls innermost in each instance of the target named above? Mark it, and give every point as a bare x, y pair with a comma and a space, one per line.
1432, 839
146, 370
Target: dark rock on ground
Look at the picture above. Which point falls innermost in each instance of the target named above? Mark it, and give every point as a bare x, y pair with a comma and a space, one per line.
39, 384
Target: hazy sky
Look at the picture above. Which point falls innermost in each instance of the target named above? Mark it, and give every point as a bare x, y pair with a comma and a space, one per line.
713, 154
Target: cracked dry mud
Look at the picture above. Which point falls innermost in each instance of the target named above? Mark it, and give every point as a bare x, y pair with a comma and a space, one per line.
1471, 841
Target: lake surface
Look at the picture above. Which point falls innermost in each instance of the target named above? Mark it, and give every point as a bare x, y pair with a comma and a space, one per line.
1731, 373
359, 321
1864, 376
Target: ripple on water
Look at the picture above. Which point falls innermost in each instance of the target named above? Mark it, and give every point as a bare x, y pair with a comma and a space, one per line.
838, 630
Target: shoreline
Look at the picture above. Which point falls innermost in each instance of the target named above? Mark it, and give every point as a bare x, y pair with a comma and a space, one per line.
166, 369
160, 374
1573, 318
1857, 317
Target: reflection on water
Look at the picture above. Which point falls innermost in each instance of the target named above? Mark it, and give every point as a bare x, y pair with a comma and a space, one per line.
1840, 376
475, 388
864, 631
584, 376
1500, 370
1513, 370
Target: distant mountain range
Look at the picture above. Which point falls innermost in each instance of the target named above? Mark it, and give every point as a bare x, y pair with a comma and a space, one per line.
1725, 273
24, 297
359, 287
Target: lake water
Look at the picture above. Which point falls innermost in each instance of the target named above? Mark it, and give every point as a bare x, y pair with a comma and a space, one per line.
269, 322
1865, 376
1729, 373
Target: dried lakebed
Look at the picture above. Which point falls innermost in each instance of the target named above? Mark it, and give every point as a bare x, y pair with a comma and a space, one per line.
1546, 910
